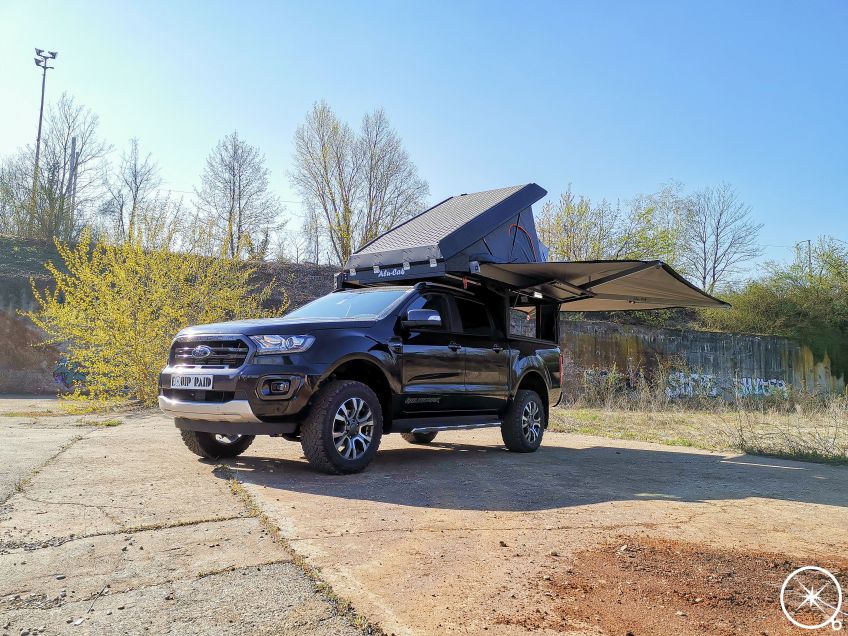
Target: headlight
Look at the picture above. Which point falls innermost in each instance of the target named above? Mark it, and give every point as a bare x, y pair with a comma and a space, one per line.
282, 344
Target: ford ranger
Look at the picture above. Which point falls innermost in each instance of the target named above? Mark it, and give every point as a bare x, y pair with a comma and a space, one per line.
446, 321
347, 368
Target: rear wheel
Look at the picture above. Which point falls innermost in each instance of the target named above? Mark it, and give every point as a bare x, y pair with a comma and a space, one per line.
524, 423
419, 438
215, 446
343, 430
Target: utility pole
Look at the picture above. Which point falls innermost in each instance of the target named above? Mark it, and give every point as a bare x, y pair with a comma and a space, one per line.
42, 60
809, 255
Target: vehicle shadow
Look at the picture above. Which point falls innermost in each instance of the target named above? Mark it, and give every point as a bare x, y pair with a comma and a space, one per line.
479, 477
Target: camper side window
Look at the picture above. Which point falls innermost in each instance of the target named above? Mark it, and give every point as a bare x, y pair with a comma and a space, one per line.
534, 321
522, 322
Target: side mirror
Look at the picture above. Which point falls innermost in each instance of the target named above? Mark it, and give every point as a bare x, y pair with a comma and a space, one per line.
422, 319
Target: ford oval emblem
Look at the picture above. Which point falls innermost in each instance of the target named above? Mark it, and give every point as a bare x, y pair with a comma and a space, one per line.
201, 352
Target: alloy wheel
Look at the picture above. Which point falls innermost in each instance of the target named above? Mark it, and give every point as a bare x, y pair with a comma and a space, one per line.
531, 422
353, 427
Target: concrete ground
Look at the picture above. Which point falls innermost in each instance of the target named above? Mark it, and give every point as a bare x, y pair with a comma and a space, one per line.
120, 530
124, 529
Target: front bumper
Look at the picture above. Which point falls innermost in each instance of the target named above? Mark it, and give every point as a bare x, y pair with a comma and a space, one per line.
232, 411
236, 403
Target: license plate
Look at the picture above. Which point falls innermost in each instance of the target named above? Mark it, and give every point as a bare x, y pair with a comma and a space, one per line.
202, 382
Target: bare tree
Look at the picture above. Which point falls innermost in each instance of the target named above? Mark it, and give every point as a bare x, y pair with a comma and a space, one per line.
131, 189
327, 174
392, 190
720, 236
69, 183
354, 186
235, 197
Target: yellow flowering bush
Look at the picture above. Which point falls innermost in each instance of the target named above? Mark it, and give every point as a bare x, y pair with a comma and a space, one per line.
117, 308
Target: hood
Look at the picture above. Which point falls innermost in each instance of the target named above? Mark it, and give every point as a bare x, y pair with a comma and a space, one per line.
277, 326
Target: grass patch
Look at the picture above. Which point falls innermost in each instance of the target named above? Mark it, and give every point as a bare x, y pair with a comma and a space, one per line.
107, 423
817, 434
29, 414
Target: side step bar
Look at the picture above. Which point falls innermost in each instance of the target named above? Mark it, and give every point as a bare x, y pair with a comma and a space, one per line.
444, 423
460, 427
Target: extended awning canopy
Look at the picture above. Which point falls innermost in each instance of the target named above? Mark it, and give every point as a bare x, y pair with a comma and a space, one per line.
602, 285
491, 237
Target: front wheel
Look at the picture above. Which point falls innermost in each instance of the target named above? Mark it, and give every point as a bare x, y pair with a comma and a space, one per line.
524, 423
343, 430
214, 446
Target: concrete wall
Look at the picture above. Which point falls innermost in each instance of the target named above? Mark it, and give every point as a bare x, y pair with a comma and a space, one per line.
706, 363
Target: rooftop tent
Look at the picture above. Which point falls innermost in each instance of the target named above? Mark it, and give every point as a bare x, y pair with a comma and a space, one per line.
493, 226
491, 236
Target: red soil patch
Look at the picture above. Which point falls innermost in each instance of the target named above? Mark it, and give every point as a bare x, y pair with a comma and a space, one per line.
639, 587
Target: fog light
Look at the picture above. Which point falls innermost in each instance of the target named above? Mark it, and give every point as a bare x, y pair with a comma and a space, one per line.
275, 388
280, 386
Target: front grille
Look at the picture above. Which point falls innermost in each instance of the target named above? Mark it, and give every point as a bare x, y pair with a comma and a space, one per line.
226, 353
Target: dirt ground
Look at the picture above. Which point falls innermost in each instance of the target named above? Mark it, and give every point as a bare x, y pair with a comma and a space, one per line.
586, 536
635, 588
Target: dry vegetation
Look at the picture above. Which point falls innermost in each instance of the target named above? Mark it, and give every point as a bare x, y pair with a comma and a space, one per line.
798, 426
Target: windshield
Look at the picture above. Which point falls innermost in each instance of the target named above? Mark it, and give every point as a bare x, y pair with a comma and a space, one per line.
362, 305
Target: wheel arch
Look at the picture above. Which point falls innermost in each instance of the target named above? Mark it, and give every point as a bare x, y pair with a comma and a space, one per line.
369, 372
534, 381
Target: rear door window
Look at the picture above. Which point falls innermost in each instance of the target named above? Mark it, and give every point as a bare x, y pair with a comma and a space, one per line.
474, 317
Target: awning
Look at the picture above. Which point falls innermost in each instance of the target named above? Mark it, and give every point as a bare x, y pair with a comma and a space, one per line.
602, 285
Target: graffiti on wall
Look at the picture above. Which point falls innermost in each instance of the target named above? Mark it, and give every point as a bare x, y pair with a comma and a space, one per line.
761, 386
693, 385
703, 385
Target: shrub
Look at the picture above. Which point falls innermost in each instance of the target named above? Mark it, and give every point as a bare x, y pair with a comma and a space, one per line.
118, 307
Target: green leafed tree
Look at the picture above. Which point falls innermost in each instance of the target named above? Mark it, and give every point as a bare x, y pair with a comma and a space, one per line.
806, 300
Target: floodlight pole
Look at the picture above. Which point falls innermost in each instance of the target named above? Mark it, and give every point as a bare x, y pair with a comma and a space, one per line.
41, 60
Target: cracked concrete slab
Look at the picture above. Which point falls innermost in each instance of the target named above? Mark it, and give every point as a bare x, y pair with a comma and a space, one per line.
127, 532
448, 538
135, 475
24, 448
270, 599
127, 561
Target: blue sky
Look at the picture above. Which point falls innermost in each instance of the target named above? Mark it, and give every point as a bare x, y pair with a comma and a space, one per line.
612, 97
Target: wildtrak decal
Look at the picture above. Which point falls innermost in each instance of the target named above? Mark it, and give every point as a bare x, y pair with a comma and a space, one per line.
423, 400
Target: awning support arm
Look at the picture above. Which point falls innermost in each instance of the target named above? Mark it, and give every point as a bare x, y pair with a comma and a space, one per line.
627, 272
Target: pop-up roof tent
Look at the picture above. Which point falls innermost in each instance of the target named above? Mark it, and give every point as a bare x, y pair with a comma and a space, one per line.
490, 236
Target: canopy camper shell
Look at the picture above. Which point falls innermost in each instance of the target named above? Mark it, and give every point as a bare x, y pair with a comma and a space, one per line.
489, 238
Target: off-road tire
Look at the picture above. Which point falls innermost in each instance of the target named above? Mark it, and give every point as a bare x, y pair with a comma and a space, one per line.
205, 445
419, 438
512, 430
316, 431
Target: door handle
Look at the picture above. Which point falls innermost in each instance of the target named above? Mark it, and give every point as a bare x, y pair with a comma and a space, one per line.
453, 346
497, 348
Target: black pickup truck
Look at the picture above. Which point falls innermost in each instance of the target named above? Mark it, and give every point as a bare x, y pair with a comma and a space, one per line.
343, 370
449, 320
